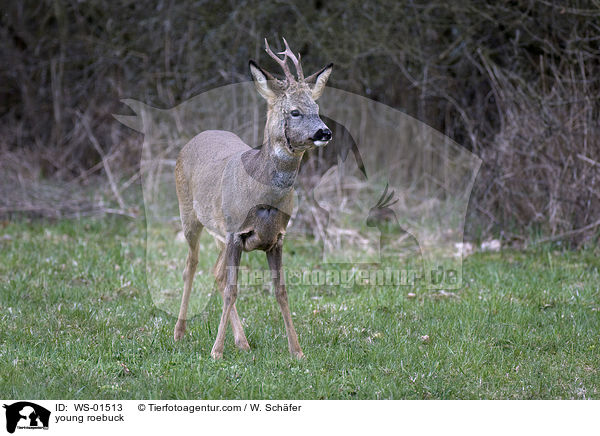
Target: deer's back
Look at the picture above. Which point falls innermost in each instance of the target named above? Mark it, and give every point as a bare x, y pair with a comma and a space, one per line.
200, 168
210, 148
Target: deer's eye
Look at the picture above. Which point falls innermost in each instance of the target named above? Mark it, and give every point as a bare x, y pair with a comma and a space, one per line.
295, 113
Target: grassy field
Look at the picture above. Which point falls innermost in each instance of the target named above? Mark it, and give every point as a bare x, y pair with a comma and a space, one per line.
77, 322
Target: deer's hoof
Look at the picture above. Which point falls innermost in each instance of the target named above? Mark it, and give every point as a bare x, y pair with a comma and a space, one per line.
216, 355
179, 330
298, 354
243, 344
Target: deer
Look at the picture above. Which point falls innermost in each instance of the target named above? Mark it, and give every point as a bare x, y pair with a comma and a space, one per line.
243, 196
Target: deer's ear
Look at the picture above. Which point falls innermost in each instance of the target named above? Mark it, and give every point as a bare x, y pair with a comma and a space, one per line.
319, 79
262, 80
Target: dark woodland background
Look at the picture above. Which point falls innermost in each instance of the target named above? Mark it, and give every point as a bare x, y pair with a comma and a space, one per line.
515, 82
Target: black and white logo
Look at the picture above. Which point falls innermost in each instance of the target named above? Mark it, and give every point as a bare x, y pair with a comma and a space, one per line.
26, 415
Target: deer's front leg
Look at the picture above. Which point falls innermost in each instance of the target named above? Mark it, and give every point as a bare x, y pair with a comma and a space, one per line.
233, 253
274, 257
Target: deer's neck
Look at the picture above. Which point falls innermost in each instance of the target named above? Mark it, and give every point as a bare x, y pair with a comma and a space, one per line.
272, 165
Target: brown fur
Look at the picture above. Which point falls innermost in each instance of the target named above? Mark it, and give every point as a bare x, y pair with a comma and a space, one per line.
244, 196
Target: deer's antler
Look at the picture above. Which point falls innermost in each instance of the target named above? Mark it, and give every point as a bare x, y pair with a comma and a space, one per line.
283, 62
385, 201
296, 60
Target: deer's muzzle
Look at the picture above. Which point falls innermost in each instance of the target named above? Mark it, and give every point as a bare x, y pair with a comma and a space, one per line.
322, 137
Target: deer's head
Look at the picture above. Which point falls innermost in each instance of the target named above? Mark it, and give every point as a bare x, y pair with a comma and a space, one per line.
293, 123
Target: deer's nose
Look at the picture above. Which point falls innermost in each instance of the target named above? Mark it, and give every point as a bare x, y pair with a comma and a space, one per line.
322, 135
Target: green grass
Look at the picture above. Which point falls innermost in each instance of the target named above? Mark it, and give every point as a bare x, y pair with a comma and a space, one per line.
77, 322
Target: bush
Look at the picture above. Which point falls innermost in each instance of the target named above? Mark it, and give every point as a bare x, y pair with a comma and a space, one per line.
516, 83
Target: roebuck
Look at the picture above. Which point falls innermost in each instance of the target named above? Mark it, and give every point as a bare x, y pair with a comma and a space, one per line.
243, 196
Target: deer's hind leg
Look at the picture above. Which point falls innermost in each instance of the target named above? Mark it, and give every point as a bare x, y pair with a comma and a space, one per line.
192, 234
191, 229
220, 272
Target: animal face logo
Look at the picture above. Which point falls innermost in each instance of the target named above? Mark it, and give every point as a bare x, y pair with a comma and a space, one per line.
24, 414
